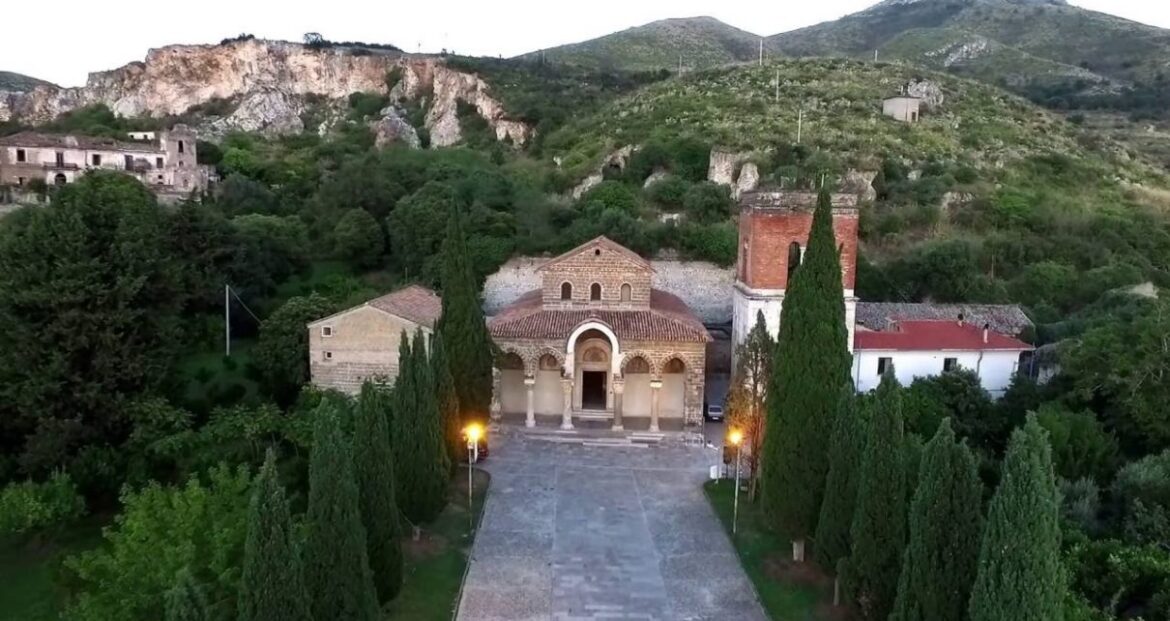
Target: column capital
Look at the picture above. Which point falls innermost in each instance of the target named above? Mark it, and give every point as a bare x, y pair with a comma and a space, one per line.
619, 386
655, 384
529, 381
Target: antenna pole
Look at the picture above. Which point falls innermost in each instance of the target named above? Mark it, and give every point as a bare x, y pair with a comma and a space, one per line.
680, 64
799, 125
875, 56
761, 51
777, 86
227, 321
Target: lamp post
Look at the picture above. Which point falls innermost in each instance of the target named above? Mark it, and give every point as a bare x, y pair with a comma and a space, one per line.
736, 439
473, 433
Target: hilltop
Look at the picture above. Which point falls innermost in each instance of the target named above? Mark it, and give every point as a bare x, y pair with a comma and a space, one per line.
701, 42
18, 82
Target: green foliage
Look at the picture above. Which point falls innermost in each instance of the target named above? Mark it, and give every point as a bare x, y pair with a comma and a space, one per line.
366, 105
1124, 581
417, 227
468, 346
846, 448
1080, 445
337, 570
272, 584
945, 527
810, 366
668, 193
282, 354
1145, 482
611, 195
1020, 574
959, 395
358, 238
420, 452
715, 243
185, 601
271, 248
449, 418
161, 530
29, 506
878, 532
708, 203
374, 470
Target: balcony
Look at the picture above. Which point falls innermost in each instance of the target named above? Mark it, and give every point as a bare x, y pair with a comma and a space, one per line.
60, 166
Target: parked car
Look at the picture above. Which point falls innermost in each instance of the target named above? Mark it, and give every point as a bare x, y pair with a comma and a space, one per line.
714, 412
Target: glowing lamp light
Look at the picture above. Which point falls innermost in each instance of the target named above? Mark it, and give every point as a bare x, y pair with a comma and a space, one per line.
735, 437
474, 432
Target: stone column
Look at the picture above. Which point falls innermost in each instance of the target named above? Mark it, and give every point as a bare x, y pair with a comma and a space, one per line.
567, 414
530, 384
655, 386
619, 387
497, 395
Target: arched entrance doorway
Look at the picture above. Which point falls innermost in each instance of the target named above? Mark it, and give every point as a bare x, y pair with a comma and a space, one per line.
593, 364
60, 179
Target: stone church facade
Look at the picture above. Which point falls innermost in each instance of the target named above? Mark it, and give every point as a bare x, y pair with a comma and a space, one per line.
597, 342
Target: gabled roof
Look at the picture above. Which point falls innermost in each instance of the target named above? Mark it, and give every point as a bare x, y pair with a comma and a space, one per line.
65, 141
1006, 319
936, 336
603, 243
414, 303
667, 320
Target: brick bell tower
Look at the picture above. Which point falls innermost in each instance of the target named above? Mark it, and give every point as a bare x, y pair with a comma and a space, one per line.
774, 228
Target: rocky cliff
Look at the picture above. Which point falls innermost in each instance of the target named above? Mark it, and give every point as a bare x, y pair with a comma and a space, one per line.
268, 83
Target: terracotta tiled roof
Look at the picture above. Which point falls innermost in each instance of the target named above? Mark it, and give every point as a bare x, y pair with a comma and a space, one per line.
1004, 318
416, 303
63, 141
936, 336
668, 320
604, 243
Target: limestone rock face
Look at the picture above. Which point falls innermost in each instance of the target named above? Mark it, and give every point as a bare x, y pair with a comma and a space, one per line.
587, 184
391, 128
617, 159
929, 92
271, 80
655, 177
748, 181
861, 183
722, 166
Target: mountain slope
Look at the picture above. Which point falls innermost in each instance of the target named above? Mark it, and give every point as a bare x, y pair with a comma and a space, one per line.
700, 41
17, 82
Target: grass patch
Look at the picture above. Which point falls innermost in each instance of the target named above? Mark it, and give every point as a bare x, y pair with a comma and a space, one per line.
786, 591
27, 569
435, 564
207, 379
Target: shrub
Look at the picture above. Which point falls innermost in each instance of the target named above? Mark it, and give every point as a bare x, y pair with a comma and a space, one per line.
1080, 445
668, 192
29, 506
708, 203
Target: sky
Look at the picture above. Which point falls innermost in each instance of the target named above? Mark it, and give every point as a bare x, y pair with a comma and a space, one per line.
84, 36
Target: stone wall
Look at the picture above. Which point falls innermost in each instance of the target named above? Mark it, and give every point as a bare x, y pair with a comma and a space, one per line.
706, 288
364, 345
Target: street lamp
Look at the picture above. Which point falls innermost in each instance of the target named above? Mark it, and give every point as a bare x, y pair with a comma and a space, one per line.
736, 440
473, 432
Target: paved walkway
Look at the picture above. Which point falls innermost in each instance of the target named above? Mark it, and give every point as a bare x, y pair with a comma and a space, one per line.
576, 532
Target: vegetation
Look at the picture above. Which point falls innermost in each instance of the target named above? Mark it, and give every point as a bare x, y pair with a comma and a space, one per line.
846, 448
29, 506
747, 395
374, 469
420, 453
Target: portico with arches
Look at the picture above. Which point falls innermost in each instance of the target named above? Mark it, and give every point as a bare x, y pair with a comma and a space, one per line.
597, 343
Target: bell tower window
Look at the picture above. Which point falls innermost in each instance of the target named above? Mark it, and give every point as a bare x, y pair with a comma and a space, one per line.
595, 292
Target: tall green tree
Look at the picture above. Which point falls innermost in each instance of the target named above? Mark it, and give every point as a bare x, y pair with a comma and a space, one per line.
337, 570
946, 522
421, 460
449, 420
282, 354
186, 601
272, 586
845, 453
462, 326
879, 522
811, 364
748, 394
374, 466
1019, 573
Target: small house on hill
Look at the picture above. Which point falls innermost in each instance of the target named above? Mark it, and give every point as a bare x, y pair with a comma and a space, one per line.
902, 108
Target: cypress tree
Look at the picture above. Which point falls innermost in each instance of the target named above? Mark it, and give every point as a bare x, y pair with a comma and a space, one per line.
448, 401
879, 521
272, 585
811, 364
1019, 574
845, 451
186, 601
374, 469
337, 570
945, 526
462, 326
422, 466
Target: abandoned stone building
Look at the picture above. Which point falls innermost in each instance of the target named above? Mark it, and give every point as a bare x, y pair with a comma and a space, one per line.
902, 108
596, 342
361, 343
166, 162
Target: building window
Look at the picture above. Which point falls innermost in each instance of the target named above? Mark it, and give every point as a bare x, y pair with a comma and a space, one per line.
884, 365
326, 331
158, 162
950, 364
627, 292
129, 160
595, 292
20, 181
60, 159
180, 146
21, 156
566, 291
60, 179
794, 256
96, 159
328, 355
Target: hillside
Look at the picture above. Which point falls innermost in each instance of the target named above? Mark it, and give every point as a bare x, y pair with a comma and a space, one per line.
17, 82
701, 42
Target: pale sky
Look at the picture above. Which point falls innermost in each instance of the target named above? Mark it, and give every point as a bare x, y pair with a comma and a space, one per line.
79, 36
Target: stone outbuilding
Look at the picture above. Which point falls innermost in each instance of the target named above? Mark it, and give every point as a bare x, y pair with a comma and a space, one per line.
361, 343
596, 342
902, 108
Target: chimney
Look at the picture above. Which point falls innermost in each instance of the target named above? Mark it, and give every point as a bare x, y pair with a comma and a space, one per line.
960, 320
986, 332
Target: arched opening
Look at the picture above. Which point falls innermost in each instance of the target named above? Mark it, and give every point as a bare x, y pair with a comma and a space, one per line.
513, 393
549, 397
672, 401
566, 291
593, 357
60, 179
595, 292
794, 256
181, 147
627, 292
636, 397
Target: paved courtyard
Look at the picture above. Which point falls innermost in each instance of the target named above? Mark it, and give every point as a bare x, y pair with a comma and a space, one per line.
573, 531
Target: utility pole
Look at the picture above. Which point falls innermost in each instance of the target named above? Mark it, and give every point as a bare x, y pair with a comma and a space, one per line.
680, 64
875, 56
777, 86
761, 51
227, 321
799, 125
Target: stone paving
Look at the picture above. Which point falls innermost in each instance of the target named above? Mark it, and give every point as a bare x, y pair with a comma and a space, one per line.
574, 532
